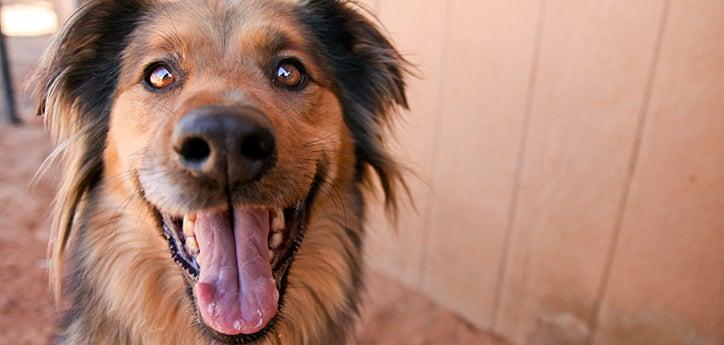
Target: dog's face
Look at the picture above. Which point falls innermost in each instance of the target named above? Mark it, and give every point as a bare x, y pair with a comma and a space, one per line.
230, 120
225, 104
235, 128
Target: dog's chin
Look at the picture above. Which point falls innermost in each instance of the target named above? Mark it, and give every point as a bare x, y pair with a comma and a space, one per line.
235, 261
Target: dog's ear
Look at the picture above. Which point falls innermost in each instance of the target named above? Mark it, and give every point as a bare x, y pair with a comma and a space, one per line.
369, 76
74, 87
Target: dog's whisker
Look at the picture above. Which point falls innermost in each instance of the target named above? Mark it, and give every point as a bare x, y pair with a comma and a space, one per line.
321, 140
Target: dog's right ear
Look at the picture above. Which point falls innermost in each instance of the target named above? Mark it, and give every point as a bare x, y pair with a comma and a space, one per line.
77, 75
74, 88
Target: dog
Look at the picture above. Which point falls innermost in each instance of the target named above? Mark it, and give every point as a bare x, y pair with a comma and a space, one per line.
215, 159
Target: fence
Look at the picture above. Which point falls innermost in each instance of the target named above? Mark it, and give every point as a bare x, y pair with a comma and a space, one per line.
571, 156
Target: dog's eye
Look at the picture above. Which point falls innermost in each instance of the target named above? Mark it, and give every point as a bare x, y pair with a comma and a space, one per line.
160, 76
290, 75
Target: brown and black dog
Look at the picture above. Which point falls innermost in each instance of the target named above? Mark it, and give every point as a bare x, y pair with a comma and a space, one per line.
214, 160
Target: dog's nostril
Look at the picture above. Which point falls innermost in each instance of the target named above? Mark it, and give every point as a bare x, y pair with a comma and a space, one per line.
195, 150
257, 146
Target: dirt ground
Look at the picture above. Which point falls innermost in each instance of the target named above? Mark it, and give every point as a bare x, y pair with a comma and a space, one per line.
392, 314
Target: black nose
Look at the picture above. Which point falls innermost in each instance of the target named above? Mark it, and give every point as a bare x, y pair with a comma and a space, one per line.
227, 144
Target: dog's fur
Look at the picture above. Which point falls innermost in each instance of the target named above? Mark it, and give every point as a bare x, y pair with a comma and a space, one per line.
110, 133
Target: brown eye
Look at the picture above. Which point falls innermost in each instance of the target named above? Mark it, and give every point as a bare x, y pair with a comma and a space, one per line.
159, 76
289, 75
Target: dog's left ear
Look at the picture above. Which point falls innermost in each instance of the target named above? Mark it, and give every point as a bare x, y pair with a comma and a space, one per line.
368, 73
74, 86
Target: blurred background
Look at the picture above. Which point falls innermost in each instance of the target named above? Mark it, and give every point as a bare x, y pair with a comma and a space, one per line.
569, 185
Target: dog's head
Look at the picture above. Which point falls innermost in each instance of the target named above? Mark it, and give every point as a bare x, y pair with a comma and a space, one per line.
229, 119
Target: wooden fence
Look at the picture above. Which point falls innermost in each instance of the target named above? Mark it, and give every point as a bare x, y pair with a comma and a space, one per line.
571, 162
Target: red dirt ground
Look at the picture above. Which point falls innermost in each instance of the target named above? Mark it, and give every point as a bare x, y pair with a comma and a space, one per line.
392, 315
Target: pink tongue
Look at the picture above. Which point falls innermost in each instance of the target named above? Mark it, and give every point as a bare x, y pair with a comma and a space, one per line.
236, 292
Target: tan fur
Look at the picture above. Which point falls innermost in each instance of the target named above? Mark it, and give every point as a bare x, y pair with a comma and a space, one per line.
127, 289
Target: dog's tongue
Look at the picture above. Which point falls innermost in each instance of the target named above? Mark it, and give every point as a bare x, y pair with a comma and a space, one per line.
236, 292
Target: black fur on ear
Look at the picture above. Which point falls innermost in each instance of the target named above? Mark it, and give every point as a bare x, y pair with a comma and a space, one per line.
369, 74
74, 88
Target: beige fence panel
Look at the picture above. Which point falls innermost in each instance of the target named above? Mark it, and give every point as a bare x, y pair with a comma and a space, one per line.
667, 281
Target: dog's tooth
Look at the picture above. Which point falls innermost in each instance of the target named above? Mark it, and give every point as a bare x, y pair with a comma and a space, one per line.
192, 246
276, 240
188, 225
278, 220
272, 255
191, 216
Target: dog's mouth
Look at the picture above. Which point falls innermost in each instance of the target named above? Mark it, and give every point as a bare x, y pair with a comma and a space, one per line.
237, 258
